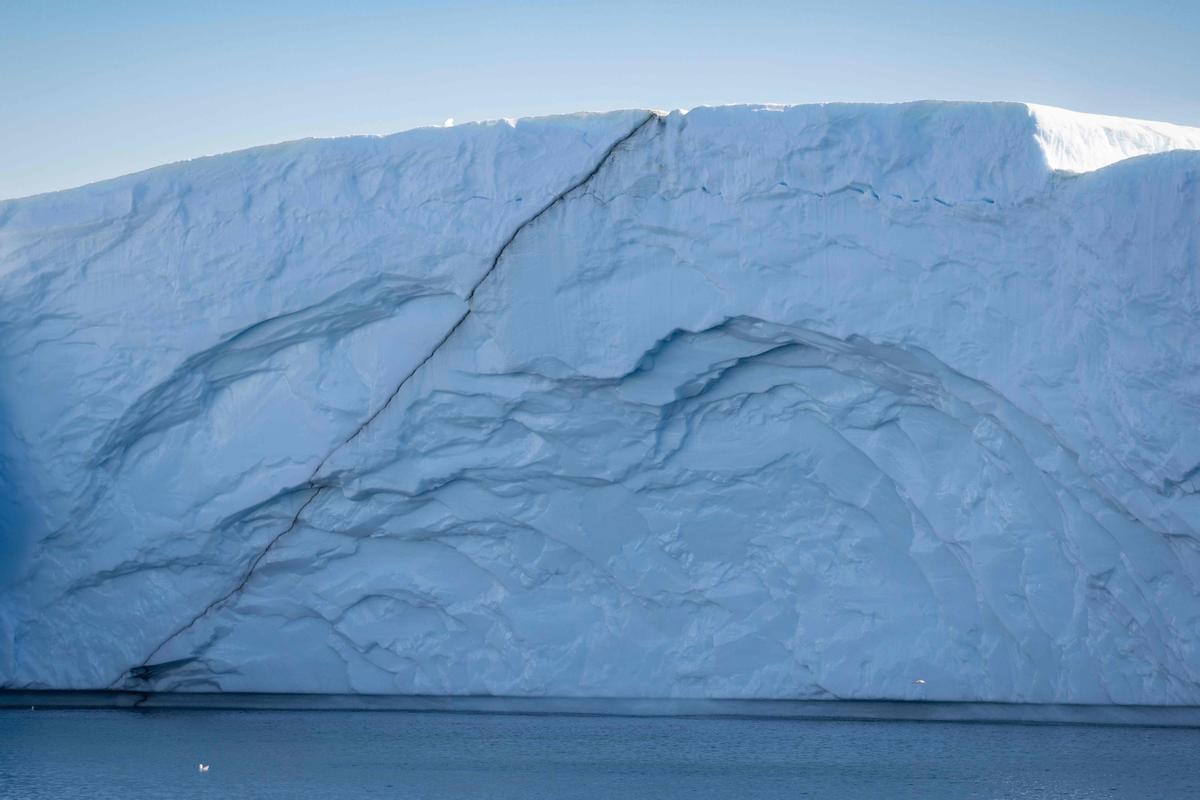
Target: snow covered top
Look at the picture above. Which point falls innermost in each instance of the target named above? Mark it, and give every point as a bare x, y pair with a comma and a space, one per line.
1075, 142
952, 151
963, 143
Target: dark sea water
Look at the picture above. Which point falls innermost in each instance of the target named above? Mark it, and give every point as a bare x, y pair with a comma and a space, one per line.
300, 755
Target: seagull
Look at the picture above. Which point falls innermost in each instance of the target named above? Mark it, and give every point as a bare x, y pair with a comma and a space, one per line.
919, 681
204, 767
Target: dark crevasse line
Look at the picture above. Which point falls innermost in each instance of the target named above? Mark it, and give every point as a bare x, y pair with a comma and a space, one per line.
313, 492
492, 268
314, 486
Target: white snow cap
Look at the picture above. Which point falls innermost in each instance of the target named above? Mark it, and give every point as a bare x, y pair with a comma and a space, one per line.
1078, 142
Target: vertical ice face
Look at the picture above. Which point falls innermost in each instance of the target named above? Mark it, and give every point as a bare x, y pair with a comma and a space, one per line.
748, 402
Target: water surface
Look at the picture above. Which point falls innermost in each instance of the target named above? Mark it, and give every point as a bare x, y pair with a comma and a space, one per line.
300, 755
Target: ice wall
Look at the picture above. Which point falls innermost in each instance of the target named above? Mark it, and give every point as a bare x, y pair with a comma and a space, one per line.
803, 401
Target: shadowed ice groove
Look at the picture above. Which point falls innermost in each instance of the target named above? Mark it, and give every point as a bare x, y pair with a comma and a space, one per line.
728, 372
189, 390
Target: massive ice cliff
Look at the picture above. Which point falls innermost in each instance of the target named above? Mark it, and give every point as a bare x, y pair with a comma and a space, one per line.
743, 402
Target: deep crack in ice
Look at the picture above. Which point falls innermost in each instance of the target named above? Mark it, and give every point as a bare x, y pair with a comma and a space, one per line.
315, 487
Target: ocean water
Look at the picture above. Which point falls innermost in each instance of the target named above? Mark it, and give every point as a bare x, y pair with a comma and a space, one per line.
299, 755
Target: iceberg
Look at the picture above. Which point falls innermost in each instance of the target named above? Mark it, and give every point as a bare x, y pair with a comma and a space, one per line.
827, 401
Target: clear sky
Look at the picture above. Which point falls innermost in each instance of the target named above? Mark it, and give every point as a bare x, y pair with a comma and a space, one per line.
93, 89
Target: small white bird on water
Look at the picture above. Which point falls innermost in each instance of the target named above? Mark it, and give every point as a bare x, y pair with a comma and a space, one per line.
204, 767
919, 681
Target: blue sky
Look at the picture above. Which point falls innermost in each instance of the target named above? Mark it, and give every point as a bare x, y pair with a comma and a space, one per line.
90, 90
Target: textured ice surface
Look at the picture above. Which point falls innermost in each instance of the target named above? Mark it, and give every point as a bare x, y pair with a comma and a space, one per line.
745, 402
